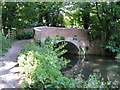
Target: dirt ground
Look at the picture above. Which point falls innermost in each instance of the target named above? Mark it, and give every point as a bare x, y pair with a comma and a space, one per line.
9, 75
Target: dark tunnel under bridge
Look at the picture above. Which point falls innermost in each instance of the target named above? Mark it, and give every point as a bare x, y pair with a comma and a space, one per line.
70, 47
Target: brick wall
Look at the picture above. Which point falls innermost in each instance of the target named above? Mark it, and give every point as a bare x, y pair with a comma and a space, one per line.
74, 33
43, 33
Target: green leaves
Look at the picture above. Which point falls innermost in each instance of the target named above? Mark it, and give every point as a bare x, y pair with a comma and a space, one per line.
24, 35
19, 15
41, 67
41, 64
5, 44
50, 15
118, 56
113, 43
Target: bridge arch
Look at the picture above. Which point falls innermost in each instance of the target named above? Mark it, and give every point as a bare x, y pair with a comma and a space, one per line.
71, 47
78, 37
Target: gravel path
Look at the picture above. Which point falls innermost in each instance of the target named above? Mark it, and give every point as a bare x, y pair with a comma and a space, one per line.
9, 75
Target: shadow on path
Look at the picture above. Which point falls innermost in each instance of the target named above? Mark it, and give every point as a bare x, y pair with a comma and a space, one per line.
8, 79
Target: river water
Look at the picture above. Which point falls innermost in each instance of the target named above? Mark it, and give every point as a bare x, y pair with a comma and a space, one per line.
105, 65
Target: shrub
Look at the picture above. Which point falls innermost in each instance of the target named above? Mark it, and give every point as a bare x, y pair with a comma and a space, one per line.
41, 67
118, 56
5, 44
113, 43
62, 38
24, 35
44, 62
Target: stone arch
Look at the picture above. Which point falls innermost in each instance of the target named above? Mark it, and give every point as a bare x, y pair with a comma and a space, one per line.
71, 47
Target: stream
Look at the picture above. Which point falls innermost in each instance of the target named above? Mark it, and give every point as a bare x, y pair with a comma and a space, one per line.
105, 65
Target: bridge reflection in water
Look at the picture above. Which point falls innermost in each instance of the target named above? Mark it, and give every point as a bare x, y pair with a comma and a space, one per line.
108, 67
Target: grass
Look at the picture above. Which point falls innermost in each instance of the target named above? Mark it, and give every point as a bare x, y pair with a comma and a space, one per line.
5, 44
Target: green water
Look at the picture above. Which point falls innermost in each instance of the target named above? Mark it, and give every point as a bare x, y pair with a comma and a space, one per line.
105, 65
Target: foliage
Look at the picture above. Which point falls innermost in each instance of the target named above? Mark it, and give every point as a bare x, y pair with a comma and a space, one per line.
84, 13
60, 37
113, 43
94, 31
24, 35
96, 80
44, 63
93, 35
5, 44
78, 15
95, 16
51, 14
41, 67
19, 15
118, 56
107, 14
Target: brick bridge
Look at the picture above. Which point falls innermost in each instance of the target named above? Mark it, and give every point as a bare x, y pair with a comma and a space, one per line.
76, 39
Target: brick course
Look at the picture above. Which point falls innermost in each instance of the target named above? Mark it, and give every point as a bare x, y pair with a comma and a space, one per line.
43, 33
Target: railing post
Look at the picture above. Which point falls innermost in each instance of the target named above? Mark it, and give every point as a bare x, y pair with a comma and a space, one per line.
9, 33
2, 31
12, 34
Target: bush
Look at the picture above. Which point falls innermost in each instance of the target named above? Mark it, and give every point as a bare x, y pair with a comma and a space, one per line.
24, 35
44, 62
113, 43
41, 67
118, 56
5, 44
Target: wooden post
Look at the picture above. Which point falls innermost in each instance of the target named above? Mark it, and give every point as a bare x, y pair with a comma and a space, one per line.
2, 31
12, 34
9, 33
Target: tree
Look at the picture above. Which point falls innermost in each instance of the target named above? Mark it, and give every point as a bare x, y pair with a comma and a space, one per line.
108, 15
18, 15
50, 15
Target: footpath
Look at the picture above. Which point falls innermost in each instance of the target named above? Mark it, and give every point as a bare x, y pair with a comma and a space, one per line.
9, 70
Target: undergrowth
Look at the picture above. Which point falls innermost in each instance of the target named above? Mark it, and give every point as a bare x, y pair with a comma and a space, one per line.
41, 64
5, 44
24, 35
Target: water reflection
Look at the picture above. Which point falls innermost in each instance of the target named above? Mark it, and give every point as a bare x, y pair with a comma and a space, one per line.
107, 66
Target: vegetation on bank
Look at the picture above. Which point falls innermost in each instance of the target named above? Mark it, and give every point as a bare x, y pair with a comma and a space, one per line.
24, 35
5, 44
118, 56
41, 64
97, 17
113, 44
